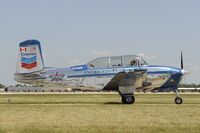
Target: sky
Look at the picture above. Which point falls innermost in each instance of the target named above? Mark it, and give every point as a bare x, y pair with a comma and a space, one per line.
76, 31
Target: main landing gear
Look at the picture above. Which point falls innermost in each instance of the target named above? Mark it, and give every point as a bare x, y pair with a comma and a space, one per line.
128, 99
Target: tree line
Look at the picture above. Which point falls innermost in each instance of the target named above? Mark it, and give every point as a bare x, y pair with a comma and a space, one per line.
183, 85
2, 86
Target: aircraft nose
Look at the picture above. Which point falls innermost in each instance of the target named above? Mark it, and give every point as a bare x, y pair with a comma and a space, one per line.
177, 72
183, 72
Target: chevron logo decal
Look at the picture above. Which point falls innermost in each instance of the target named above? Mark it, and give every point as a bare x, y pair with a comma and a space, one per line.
28, 59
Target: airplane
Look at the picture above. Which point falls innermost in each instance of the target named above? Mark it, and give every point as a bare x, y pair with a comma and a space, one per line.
125, 74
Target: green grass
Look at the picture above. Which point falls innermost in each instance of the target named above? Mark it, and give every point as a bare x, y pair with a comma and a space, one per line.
49, 113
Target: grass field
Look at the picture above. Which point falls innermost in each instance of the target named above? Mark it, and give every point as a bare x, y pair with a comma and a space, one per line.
49, 113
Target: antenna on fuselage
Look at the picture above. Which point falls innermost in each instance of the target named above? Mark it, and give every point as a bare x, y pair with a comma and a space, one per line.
139, 61
109, 62
121, 61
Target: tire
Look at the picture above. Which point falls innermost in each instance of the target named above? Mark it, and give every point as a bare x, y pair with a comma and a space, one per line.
178, 100
128, 100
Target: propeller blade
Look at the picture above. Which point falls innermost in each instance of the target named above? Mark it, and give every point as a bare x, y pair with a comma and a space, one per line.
182, 69
182, 60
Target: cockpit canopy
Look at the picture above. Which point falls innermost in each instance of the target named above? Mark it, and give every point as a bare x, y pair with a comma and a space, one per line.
117, 61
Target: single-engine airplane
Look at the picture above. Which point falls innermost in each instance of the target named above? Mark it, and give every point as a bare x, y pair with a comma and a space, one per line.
126, 74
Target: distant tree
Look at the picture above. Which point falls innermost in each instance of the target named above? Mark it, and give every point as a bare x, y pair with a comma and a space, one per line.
198, 86
183, 85
2, 86
18, 85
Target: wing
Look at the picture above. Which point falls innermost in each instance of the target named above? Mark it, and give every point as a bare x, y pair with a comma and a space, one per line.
127, 82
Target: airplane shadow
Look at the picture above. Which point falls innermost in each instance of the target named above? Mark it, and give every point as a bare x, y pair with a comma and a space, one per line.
67, 103
90, 103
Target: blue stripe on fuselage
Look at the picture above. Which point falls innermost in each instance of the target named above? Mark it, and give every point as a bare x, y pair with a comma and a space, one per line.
112, 74
91, 75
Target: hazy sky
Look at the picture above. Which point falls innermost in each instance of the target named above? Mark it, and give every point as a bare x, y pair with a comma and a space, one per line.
74, 32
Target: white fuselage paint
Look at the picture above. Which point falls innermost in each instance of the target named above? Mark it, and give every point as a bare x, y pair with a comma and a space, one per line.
98, 78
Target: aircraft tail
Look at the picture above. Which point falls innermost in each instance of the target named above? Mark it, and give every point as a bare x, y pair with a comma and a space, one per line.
29, 58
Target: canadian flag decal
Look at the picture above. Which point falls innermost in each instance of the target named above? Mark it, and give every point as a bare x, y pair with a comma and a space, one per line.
22, 49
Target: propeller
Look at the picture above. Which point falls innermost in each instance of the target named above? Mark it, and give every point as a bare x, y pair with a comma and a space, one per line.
182, 60
182, 69
182, 65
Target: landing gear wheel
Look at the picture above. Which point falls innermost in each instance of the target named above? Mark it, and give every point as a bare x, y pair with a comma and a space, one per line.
128, 100
178, 100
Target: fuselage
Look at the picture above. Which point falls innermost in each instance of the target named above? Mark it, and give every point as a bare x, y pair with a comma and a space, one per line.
160, 77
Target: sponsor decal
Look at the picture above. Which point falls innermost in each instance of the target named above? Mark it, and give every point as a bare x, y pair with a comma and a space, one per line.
110, 71
28, 57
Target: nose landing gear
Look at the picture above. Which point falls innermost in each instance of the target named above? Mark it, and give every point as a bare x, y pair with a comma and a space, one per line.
178, 100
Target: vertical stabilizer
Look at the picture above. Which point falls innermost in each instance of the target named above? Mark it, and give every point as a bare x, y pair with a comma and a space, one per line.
29, 57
